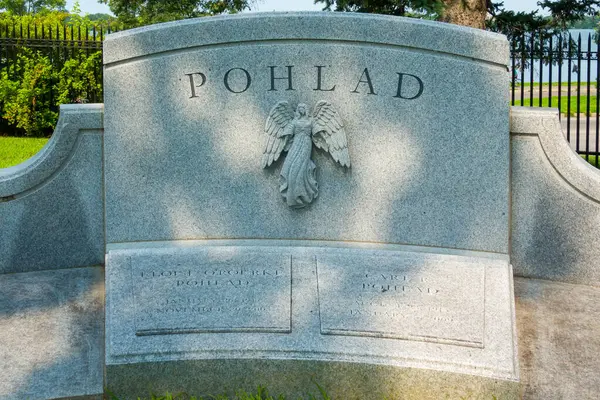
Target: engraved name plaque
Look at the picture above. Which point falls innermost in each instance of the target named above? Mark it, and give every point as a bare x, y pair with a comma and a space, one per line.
217, 291
412, 298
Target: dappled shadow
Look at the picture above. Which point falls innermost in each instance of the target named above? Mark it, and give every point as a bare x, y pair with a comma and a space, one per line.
60, 220
553, 223
559, 338
189, 168
51, 330
431, 172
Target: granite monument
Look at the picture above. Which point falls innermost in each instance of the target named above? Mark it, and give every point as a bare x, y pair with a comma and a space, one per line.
385, 269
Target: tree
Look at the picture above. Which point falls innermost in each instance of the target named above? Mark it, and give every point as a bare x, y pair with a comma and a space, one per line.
99, 17
22, 7
417, 8
477, 13
143, 12
465, 12
566, 12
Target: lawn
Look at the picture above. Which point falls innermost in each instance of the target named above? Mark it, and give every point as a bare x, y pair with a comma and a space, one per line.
564, 84
593, 160
564, 104
261, 394
15, 150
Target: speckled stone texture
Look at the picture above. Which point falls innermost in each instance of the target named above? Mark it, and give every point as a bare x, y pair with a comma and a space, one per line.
396, 273
555, 203
559, 339
51, 334
379, 314
51, 211
186, 105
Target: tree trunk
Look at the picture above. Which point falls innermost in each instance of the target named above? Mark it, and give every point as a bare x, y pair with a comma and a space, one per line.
465, 12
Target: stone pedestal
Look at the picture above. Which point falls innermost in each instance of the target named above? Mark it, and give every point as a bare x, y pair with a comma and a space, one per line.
213, 317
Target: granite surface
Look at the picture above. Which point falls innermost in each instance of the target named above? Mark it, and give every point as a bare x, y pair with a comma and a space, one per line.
344, 302
559, 339
183, 157
44, 165
51, 209
213, 291
557, 324
387, 297
316, 26
51, 334
555, 203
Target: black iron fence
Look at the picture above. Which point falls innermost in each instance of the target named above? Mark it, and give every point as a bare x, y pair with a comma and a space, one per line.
561, 72
59, 43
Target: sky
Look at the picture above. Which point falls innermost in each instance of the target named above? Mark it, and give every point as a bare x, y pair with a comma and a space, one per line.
92, 6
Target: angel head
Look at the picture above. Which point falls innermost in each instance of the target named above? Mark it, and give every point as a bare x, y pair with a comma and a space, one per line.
326, 132
301, 110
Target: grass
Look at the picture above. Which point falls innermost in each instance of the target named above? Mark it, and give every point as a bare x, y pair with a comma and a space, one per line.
554, 84
564, 104
261, 394
15, 150
592, 160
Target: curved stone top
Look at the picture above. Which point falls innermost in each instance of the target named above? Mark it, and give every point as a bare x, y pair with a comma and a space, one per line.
58, 150
545, 124
274, 27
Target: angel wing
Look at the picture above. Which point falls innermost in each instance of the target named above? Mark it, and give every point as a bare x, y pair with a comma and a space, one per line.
279, 132
329, 133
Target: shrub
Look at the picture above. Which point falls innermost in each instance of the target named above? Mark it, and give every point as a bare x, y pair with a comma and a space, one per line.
24, 93
64, 67
77, 79
31, 89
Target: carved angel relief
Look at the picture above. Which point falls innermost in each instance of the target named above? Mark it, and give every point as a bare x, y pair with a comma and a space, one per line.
295, 134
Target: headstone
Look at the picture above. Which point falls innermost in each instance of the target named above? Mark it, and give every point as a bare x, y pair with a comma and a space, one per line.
299, 197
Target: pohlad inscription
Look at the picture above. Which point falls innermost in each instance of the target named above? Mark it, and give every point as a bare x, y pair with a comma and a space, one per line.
239, 80
246, 293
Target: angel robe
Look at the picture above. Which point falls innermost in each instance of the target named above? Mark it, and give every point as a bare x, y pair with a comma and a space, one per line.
298, 181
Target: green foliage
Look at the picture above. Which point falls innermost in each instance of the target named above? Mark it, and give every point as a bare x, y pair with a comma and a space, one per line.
100, 17
321, 390
563, 13
77, 79
24, 99
594, 160
418, 8
32, 88
566, 12
22, 7
48, 19
56, 19
134, 13
587, 22
261, 394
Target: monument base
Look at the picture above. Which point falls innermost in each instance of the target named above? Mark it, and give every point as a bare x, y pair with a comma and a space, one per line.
296, 379
360, 321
